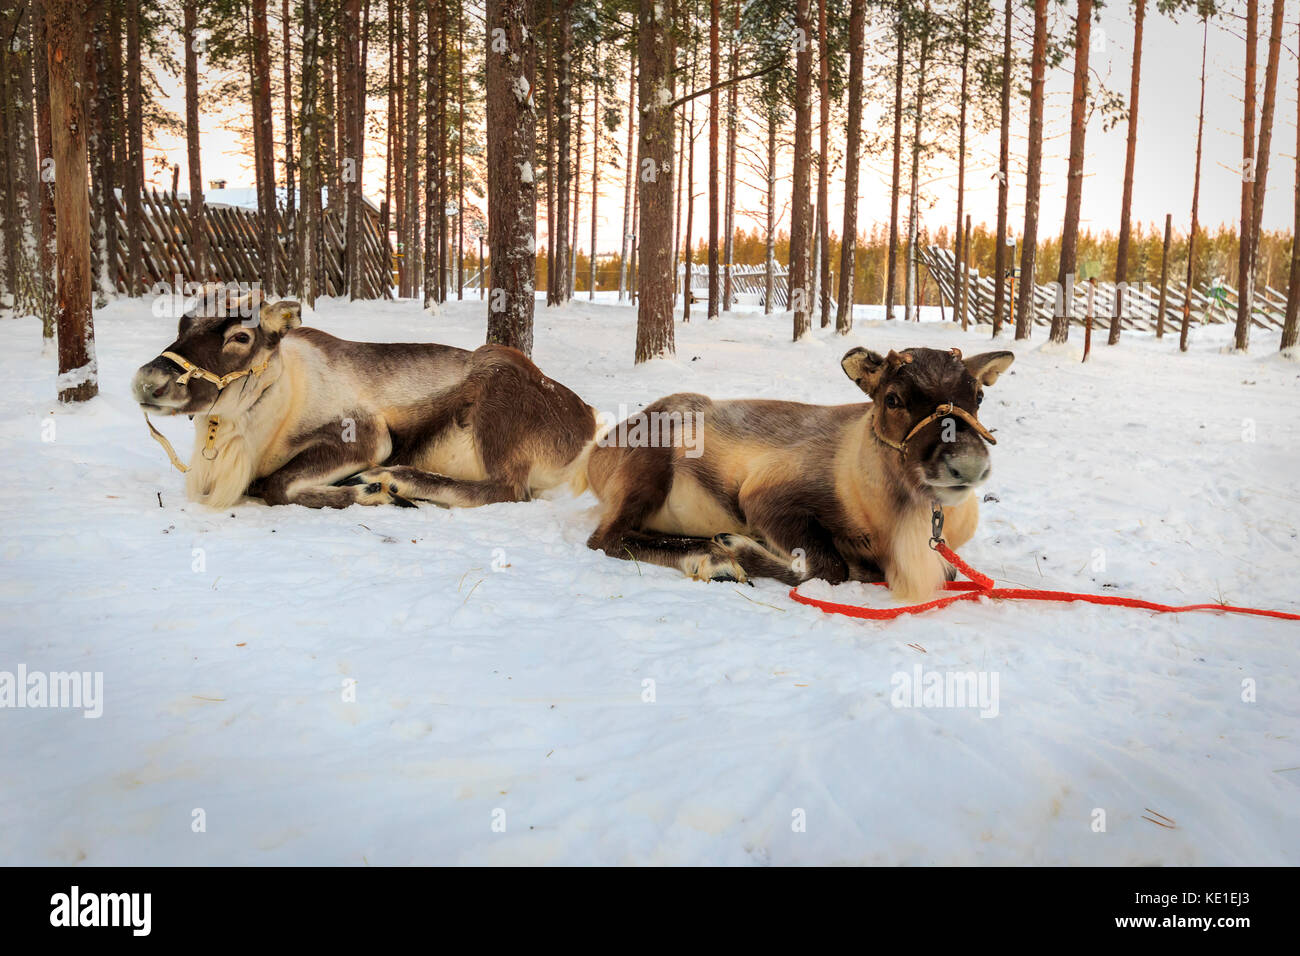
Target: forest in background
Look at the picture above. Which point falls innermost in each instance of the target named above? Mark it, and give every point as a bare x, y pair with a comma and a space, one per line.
501, 127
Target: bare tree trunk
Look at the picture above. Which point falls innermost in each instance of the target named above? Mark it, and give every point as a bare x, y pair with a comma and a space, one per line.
266, 200
432, 214
630, 161
689, 253
769, 256
552, 295
193, 155
911, 312
1291, 325
656, 86
411, 243
563, 173
1265, 137
1196, 195
67, 39
800, 231
106, 108
1033, 174
1074, 180
292, 280
823, 168
960, 253
595, 185
134, 179
512, 192
1245, 257
1130, 158
47, 253
729, 214
848, 242
575, 191
715, 75
1164, 276
310, 126
891, 270
1000, 264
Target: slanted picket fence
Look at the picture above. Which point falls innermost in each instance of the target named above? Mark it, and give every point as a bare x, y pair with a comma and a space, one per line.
235, 247
1142, 301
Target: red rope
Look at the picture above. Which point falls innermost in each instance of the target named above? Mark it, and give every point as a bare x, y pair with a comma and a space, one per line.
981, 586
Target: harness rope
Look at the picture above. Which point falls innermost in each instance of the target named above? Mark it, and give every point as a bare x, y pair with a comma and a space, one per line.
214, 421
982, 586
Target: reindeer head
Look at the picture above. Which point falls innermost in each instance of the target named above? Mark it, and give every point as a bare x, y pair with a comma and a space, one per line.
926, 411
216, 351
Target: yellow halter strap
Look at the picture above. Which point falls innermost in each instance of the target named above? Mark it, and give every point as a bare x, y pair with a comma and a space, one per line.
214, 421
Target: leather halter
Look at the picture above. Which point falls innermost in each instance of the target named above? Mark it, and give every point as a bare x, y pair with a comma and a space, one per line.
214, 421
942, 411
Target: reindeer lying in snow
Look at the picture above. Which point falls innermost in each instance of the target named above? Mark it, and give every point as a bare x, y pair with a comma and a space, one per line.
299, 417
792, 491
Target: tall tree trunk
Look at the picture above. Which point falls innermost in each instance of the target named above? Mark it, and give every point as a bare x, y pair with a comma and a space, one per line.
715, 76
769, 253
265, 160
800, 231
107, 83
960, 253
292, 281
47, 252
729, 212
1265, 136
848, 242
823, 167
1196, 195
656, 86
1245, 256
1074, 180
911, 312
891, 269
552, 295
411, 242
629, 161
595, 185
310, 232
690, 211
512, 192
432, 165
1130, 157
1033, 173
134, 180
1291, 324
1000, 264
563, 172
193, 155
67, 38
575, 191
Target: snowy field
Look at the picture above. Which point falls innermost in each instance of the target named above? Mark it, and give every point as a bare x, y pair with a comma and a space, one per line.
383, 686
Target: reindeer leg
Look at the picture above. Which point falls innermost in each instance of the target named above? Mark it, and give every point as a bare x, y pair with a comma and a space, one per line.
309, 478
417, 485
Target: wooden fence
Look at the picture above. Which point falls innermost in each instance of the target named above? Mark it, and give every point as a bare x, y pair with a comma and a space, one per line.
1141, 300
235, 247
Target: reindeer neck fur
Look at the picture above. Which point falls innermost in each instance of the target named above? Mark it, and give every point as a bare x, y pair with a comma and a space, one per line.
249, 415
879, 494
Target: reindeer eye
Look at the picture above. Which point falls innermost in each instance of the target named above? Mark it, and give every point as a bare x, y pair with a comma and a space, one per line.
243, 338
893, 401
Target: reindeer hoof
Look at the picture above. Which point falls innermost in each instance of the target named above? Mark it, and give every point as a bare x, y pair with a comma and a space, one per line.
348, 482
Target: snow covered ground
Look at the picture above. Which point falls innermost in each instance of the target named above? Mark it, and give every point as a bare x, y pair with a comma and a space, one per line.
380, 686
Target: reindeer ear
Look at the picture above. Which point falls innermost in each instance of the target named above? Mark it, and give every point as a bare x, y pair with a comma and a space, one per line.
864, 367
987, 366
279, 317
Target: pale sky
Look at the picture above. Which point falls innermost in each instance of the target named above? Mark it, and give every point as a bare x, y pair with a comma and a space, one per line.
1165, 158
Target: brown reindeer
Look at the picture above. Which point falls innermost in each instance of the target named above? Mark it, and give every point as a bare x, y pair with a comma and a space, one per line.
790, 491
297, 416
